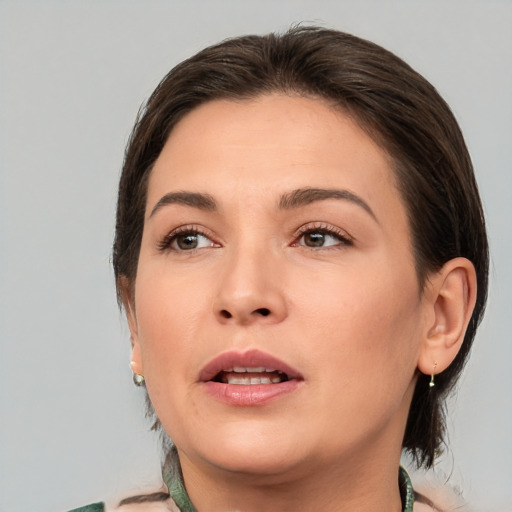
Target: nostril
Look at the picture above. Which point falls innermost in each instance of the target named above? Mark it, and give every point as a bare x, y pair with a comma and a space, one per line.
225, 314
262, 311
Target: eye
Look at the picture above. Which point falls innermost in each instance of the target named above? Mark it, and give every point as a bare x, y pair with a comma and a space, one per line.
319, 237
185, 240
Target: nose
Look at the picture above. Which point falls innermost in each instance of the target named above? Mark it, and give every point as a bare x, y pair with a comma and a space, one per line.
251, 290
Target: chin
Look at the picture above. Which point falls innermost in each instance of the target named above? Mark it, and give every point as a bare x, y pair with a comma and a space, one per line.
245, 449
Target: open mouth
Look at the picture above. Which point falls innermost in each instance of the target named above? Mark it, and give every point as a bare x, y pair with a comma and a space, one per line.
247, 376
252, 367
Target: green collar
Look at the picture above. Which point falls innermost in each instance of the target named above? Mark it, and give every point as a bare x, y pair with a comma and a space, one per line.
406, 490
179, 494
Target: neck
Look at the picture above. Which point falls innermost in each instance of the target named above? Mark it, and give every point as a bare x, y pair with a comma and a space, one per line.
349, 487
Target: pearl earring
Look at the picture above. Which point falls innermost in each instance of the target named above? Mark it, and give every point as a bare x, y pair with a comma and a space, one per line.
138, 379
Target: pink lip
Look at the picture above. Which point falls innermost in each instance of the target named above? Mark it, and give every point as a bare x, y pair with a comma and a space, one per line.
248, 395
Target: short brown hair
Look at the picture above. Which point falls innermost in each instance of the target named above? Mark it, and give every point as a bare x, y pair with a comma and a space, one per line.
397, 107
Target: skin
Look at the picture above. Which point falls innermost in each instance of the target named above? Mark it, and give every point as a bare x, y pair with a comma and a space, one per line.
349, 315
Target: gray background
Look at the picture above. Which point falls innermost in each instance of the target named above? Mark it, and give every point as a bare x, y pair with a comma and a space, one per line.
72, 76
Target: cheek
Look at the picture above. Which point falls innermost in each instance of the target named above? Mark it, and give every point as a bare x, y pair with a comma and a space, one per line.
170, 311
365, 343
364, 323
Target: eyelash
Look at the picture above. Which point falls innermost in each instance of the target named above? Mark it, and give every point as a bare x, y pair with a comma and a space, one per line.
343, 237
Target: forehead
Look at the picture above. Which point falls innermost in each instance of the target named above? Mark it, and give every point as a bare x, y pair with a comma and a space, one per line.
271, 144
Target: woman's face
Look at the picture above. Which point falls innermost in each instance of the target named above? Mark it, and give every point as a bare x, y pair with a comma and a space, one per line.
275, 239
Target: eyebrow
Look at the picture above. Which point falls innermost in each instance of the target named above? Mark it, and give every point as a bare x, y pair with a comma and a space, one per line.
289, 201
304, 196
193, 199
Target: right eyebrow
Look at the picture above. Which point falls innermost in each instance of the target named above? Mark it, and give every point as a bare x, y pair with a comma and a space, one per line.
193, 199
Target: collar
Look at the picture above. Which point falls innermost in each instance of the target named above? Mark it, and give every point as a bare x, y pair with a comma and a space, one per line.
406, 490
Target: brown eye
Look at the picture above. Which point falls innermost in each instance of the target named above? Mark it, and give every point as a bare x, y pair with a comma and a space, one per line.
317, 238
314, 239
186, 241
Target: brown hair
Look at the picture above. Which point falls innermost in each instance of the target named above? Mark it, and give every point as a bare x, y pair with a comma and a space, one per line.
397, 107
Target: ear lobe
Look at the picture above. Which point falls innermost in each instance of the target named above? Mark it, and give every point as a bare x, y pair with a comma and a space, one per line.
453, 296
136, 360
126, 291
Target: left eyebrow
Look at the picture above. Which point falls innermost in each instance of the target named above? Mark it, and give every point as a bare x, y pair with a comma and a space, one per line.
304, 196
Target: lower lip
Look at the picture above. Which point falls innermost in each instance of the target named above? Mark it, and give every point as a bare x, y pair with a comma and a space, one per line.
250, 395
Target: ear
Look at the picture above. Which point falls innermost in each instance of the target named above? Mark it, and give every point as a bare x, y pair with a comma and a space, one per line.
126, 290
451, 296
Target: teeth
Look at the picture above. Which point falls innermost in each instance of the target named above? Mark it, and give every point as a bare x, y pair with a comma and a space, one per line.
246, 381
245, 369
250, 375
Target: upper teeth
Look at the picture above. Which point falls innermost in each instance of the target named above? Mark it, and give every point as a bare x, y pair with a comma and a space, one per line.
247, 381
253, 369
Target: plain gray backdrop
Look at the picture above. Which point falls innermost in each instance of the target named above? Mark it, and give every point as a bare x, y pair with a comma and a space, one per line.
72, 76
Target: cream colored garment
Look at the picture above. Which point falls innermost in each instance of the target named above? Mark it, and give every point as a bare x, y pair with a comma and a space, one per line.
421, 507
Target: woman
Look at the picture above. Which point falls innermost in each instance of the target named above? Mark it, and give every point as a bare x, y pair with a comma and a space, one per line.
301, 254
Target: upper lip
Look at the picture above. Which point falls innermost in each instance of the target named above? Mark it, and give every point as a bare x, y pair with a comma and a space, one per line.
248, 359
